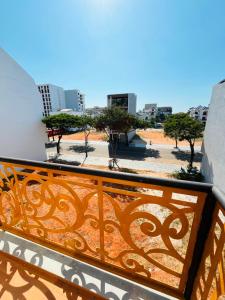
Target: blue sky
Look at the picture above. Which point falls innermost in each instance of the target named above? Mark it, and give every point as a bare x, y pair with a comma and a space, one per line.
166, 51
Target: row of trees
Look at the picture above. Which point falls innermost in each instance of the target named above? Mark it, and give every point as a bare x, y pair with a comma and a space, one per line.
113, 122
182, 127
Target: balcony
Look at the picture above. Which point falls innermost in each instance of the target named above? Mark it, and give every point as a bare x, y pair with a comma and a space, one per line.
166, 235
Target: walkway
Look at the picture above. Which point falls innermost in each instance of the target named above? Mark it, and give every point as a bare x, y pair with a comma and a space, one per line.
123, 163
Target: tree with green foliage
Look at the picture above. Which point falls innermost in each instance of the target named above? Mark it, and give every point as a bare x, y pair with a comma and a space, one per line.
86, 124
173, 125
113, 122
183, 127
62, 123
190, 131
143, 124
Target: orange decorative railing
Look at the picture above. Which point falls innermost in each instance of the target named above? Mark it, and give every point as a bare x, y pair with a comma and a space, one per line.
210, 280
142, 228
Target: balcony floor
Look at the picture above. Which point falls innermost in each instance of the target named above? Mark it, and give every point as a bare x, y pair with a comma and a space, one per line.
19, 279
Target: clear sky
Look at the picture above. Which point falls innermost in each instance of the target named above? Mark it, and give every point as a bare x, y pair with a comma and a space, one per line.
169, 52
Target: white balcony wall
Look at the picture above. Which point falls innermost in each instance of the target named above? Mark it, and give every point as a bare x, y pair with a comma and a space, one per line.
22, 133
213, 164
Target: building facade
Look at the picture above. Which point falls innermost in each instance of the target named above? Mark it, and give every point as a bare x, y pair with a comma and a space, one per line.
214, 139
199, 113
75, 100
127, 101
151, 109
24, 134
55, 99
164, 110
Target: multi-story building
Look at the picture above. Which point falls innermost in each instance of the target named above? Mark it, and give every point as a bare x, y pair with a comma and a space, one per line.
75, 100
164, 110
127, 101
56, 99
53, 98
199, 113
151, 109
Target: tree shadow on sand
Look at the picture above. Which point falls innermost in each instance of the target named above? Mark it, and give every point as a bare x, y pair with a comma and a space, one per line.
81, 148
136, 153
185, 155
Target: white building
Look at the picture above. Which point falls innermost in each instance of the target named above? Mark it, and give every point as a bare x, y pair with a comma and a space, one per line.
55, 99
23, 134
151, 109
126, 101
75, 100
199, 113
214, 139
149, 112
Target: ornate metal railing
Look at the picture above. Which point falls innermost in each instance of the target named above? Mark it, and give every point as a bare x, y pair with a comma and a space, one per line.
210, 279
150, 230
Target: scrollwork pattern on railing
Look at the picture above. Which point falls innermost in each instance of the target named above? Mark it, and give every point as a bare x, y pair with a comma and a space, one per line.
210, 281
139, 229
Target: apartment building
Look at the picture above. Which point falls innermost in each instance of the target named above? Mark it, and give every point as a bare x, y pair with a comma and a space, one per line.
150, 109
55, 99
75, 100
199, 113
127, 101
164, 110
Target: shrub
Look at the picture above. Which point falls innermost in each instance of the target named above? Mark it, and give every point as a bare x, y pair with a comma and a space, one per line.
191, 174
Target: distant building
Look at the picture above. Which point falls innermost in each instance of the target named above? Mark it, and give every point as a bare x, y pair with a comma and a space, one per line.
128, 102
55, 99
199, 113
23, 134
94, 111
164, 110
68, 111
144, 115
75, 100
151, 109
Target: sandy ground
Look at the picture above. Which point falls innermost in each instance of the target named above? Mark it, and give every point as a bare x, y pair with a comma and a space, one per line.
156, 136
93, 136
139, 172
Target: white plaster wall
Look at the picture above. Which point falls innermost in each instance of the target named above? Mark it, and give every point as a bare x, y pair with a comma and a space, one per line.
22, 133
213, 164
